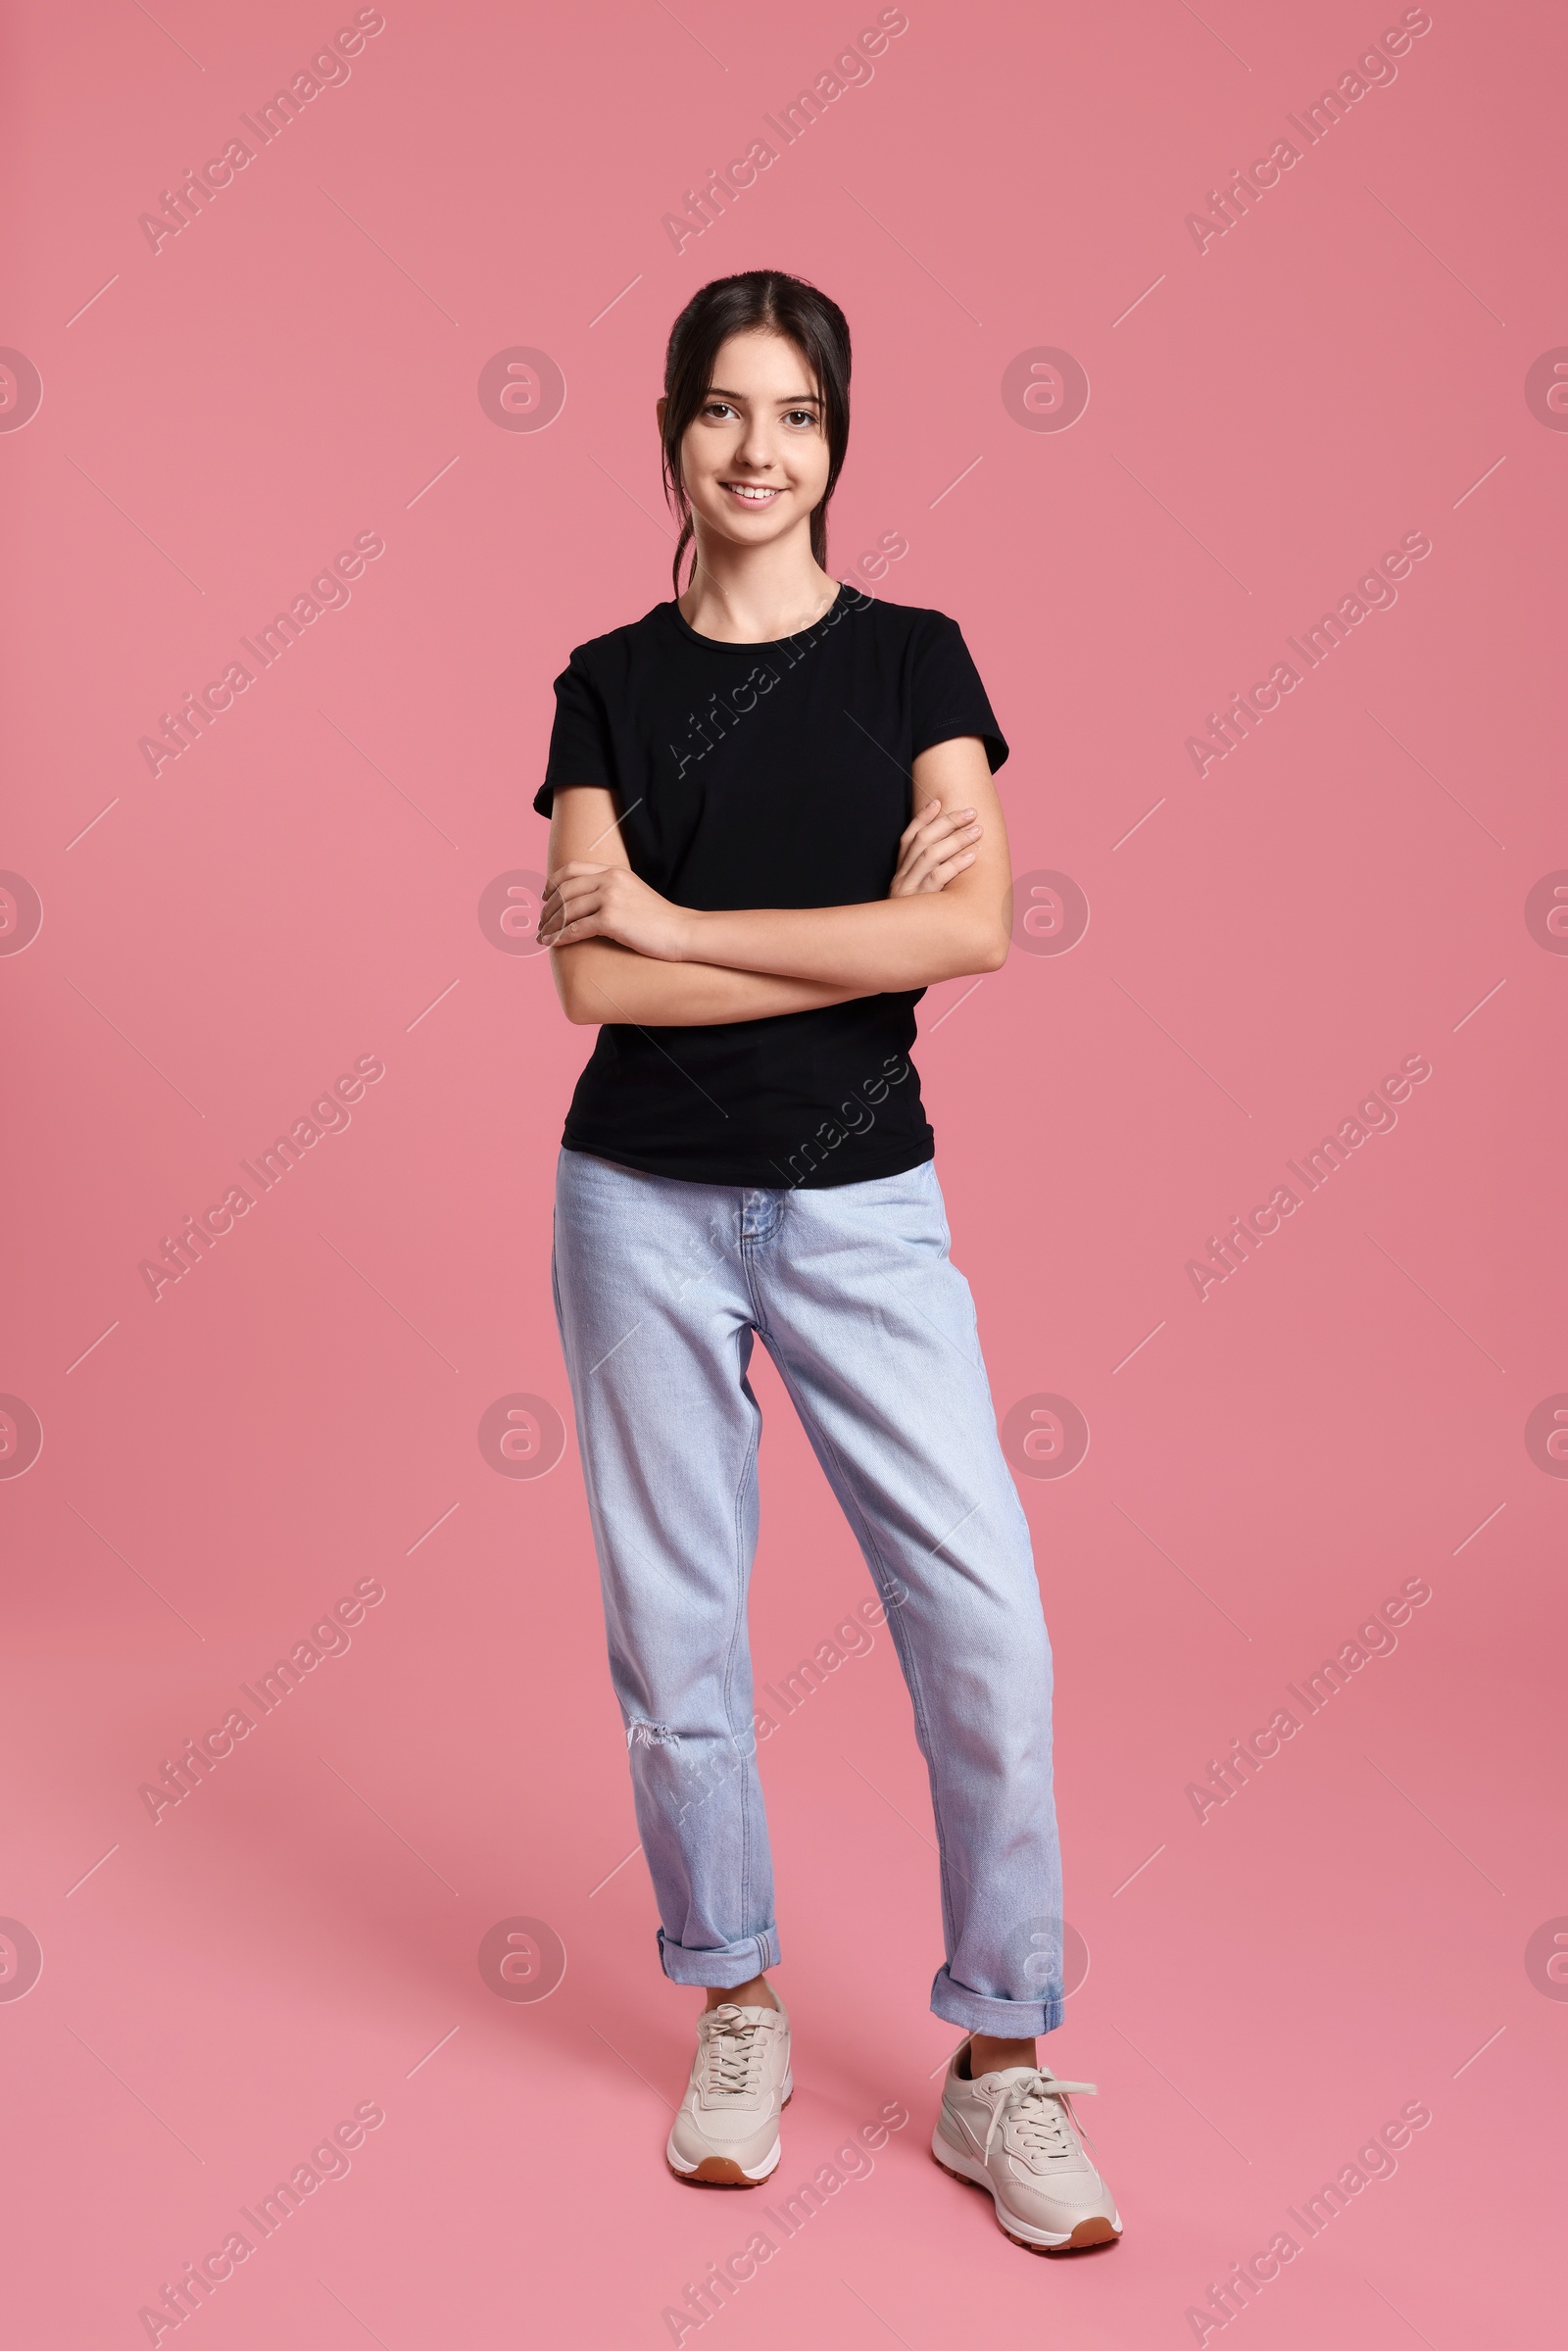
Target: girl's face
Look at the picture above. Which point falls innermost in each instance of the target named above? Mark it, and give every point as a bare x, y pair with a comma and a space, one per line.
755, 456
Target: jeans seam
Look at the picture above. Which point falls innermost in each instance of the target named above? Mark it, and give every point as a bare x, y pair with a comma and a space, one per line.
554, 1284
907, 1656
737, 1632
745, 1250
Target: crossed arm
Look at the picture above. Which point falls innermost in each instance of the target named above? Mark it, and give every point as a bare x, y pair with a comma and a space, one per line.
622, 952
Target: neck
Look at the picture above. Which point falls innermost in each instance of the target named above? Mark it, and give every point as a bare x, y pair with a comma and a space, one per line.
752, 595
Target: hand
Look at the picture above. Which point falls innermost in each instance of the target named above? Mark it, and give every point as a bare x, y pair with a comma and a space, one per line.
607, 902
933, 848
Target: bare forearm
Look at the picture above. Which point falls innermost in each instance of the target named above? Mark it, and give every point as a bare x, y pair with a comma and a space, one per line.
600, 981
894, 943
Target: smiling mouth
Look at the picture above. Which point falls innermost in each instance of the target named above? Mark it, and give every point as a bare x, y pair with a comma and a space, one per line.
750, 493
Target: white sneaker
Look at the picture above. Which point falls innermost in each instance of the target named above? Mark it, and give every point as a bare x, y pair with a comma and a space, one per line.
727, 2132
1015, 2134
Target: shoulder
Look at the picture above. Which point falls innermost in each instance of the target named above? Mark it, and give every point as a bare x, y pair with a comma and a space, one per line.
928, 645
607, 661
918, 625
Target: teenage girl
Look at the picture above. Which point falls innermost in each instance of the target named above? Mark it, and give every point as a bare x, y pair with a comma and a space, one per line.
772, 826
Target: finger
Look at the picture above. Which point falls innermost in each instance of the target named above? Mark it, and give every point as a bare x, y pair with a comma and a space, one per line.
585, 926
931, 814
941, 828
922, 859
568, 903
921, 817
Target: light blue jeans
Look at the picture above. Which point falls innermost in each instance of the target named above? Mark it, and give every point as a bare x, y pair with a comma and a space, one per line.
661, 1287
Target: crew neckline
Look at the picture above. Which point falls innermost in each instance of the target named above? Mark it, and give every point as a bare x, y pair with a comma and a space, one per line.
753, 644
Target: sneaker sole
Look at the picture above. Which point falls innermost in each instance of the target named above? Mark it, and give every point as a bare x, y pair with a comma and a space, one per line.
722, 2171
1096, 2231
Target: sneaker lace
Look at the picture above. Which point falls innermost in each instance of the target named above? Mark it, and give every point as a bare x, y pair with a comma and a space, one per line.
732, 2052
1038, 2107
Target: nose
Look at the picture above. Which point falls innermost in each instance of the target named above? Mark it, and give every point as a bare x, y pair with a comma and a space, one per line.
754, 451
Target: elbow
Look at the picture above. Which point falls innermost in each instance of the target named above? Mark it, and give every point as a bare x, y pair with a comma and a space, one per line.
974, 942
989, 949
571, 987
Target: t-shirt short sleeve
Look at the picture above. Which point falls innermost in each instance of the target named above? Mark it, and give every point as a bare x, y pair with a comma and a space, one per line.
580, 750
947, 696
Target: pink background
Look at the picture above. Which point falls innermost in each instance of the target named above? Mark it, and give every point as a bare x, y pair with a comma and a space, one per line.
301, 888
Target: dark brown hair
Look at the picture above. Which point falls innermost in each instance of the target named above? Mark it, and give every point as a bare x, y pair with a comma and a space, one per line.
757, 299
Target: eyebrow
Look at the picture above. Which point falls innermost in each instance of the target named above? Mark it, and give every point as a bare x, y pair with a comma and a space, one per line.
796, 400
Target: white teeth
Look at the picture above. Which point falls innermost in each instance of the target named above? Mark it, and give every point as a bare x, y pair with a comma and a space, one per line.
758, 497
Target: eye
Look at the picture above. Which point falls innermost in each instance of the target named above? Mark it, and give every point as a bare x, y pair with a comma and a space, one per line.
713, 407
800, 416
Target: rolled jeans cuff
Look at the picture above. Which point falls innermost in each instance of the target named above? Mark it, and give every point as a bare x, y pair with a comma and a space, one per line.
1005, 2020
731, 1963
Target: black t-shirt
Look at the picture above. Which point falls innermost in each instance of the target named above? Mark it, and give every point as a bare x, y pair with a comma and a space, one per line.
771, 774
